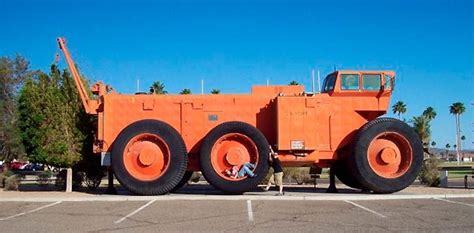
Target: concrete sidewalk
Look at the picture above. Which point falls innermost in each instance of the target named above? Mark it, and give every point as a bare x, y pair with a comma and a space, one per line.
207, 192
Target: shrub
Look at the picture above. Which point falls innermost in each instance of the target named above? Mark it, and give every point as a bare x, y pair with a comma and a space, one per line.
44, 178
92, 179
299, 174
11, 183
429, 174
4, 175
91, 171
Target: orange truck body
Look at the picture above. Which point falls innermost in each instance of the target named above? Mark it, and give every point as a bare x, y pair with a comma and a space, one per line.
321, 123
304, 129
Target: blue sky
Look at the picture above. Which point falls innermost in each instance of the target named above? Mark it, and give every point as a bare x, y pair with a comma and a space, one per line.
234, 44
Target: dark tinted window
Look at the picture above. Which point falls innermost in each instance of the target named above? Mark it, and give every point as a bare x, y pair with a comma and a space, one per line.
371, 82
329, 83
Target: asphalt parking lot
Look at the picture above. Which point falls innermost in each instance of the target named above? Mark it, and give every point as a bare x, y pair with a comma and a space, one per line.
201, 208
239, 214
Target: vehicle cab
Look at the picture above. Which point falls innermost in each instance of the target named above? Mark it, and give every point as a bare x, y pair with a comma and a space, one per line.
366, 83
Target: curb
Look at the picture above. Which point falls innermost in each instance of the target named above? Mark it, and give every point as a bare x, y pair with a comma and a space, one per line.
181, 197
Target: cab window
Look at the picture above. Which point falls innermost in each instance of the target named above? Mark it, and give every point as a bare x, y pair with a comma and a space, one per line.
329, 83
349, 82
387, 82
371, 82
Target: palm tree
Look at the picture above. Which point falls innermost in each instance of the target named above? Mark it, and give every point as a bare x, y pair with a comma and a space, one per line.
447, 150
462, 143
429, 113
433, 143
185, 91
422, 126
399, 108
293, 83
457, 109
158, 88
215, 91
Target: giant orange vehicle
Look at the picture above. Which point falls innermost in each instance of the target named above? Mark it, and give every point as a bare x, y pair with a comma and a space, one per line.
155, 142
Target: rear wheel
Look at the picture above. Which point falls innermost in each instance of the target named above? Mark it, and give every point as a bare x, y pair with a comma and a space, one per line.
388, 155
149, 157
234, 144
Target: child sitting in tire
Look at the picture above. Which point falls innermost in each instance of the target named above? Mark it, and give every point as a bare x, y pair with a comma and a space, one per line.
246, 169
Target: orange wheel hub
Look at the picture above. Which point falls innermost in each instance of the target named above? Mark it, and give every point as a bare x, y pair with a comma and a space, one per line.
234, 156
390, 155
233, 149
146, 157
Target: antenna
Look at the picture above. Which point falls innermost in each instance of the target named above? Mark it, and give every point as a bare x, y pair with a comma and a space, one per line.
268, 82
202, 86
312, 81
319, 83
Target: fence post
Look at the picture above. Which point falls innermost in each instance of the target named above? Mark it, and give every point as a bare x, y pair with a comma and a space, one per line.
69, 180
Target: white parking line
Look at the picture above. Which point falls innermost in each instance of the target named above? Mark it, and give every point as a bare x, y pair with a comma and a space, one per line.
366, 209
249, 210
31, 211
136, 211
454, 202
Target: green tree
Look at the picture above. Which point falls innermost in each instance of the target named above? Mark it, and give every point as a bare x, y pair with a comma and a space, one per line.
185, 91
421, 125
158, 88
54, 124
399, 108
13, 72
293, 83
457, 109
215, 91
463, 138
429, 113
433, 144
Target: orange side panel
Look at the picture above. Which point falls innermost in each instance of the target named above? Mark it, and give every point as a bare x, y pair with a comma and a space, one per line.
297, 125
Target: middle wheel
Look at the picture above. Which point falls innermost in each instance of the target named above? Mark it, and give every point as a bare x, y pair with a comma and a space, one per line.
234, 144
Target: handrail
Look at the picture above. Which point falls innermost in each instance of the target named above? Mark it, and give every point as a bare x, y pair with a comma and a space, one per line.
90, 105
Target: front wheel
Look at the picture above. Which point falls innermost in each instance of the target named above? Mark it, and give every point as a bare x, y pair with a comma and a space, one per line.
388, 155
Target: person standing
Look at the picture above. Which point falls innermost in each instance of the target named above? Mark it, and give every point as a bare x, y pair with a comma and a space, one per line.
277, 176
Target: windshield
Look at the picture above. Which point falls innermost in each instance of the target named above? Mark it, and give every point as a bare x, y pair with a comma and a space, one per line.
329, 83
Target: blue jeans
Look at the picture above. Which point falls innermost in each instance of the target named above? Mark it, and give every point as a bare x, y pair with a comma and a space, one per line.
245, 170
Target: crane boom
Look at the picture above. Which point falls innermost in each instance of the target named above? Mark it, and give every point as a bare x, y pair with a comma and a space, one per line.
90, 105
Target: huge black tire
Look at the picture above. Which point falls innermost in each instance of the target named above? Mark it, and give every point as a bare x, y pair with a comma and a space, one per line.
183, 181
343, 174
176, 165
393, 133
228, 185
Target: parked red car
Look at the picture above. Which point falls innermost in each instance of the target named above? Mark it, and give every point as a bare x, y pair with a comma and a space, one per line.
17, 165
